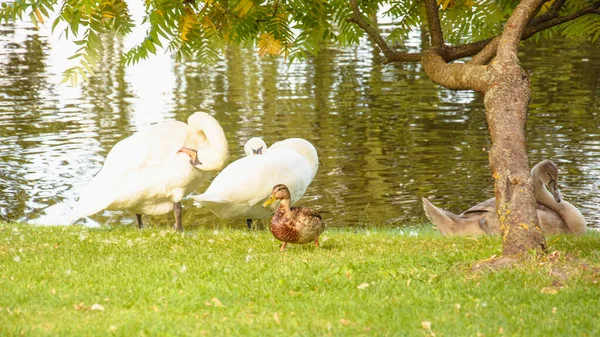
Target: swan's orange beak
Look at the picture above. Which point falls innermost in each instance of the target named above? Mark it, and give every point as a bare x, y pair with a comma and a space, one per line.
193, 155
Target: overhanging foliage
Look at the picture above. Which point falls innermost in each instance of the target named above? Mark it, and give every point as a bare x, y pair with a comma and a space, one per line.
295, 29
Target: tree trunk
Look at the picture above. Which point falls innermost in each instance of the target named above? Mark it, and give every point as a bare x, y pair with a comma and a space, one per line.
506, 104
507, 95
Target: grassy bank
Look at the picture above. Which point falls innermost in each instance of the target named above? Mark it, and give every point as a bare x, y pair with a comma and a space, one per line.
122, 281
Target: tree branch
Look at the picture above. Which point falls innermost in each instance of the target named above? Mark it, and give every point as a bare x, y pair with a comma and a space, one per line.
391, 55
433, 22
484, 50
514, 27
536, 26
530, 31
456, 76
370, 30
551, 13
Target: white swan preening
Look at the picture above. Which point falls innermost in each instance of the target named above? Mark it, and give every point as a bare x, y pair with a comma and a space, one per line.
555, 215
240, 189
254, 146
151, 171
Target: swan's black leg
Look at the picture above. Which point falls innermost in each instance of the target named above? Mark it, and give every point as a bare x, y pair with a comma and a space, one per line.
138, 219
249, 223
177, 212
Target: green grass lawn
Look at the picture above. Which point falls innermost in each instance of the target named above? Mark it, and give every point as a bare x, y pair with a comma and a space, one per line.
381, 282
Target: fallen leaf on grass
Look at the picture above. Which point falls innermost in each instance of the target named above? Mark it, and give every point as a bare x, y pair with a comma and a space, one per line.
276, 318
80, 306
549, 290
427, 327
97, 307
217, 302
362, 285
345, 321
554, 255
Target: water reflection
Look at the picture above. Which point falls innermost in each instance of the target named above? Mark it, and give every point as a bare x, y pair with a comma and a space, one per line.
386, 135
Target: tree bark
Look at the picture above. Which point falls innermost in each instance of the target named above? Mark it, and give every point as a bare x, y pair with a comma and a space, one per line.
506, 103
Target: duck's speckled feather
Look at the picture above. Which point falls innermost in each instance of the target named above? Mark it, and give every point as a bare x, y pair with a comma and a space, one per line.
299, 225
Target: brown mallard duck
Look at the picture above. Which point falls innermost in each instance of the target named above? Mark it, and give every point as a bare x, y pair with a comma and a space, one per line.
293, 224
555, 215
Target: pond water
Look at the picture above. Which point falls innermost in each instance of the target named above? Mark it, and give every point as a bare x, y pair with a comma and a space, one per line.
386, 135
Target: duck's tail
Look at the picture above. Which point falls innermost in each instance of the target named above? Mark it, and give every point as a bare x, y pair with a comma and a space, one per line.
443, 220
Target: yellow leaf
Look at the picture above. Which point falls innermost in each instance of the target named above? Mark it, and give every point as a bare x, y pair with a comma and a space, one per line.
189, 21
207, 22
267, 44
545, 7
445, 3
243, 7
39, 16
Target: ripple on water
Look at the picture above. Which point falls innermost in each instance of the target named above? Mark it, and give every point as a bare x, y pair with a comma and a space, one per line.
386, 135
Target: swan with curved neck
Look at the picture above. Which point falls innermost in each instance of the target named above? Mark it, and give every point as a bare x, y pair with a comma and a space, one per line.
555, 215
254, 146
240, 189
151, 171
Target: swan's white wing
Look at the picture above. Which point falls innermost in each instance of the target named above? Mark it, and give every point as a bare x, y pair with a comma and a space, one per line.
132, 167
152, 146
242, 186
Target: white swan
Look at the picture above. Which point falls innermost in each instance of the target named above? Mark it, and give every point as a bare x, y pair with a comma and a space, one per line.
240, 189
254, 146
151, 171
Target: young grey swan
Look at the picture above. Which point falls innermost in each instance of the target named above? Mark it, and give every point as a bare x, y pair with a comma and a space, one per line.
293, 224
555, 216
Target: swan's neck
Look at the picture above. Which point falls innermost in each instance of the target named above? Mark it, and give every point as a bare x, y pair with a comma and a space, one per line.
302, 146
569, 213
215, 155
544, 197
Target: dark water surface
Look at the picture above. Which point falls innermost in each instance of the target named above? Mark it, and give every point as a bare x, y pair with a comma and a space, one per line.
386, 135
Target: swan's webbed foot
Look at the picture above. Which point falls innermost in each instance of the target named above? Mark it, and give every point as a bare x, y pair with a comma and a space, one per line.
138, 220
177, 212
